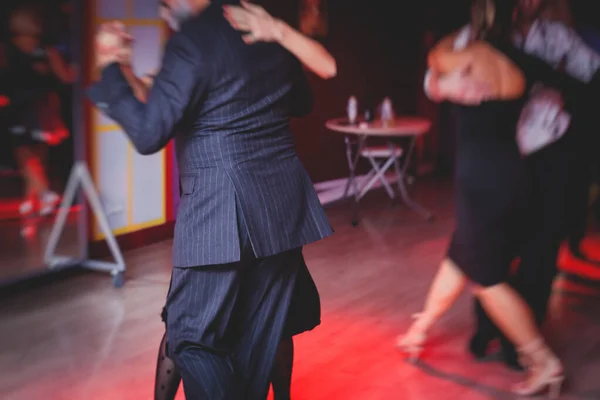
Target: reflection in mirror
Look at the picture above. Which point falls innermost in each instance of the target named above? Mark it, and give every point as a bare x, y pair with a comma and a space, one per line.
37, 74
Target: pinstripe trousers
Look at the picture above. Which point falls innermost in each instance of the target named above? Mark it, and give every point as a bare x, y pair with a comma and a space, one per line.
225, 322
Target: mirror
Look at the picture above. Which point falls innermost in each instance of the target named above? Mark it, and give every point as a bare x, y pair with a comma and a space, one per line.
40, 133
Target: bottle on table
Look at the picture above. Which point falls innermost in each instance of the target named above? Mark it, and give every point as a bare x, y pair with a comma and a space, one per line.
387, 111
352, 110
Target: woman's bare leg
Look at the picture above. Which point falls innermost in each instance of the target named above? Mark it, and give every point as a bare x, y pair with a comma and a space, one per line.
514, 318
446, 287
509, 312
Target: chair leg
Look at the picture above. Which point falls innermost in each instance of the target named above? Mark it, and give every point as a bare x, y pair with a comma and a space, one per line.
380, 170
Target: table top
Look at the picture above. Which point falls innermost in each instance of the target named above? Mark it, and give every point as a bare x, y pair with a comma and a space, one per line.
400, 126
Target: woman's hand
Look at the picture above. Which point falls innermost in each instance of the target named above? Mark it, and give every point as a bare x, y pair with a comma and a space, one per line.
259, 24
148, 80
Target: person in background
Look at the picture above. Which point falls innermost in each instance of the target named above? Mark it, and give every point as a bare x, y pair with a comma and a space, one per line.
36, 122
556, 146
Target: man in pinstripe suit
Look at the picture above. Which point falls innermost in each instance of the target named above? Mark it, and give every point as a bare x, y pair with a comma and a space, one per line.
247, 206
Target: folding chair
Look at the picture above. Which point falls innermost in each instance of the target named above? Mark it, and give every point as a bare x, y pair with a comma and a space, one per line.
381, 158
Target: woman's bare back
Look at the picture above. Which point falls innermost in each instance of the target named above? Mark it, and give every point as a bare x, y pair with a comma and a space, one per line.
483, 63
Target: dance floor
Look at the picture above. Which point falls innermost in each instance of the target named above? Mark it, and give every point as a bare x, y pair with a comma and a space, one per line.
79, 338
22, 256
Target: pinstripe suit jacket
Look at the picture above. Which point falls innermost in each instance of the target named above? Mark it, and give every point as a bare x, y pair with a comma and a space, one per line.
230, 105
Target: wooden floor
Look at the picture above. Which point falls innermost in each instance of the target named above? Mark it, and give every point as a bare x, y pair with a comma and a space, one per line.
82, 339
22, 256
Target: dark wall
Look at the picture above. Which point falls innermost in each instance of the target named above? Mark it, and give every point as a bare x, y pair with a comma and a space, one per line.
378, 45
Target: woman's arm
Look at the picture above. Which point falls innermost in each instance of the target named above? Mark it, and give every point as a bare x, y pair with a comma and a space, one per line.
262, 27
310, 53
66, 73
443, 61
483, 64
455, 86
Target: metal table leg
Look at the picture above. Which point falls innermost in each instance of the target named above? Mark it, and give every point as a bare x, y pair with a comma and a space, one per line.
352, 164
401, 177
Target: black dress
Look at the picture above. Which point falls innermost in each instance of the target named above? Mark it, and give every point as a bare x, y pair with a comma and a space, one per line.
492, 182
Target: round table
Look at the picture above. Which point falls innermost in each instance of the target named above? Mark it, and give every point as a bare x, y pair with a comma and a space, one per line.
399, 127
402, 126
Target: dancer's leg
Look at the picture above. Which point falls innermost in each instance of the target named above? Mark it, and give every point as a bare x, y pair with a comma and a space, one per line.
509, 312
443, 292
304, 314
447, 285
281, 374
485, 332
167, 378
515, 319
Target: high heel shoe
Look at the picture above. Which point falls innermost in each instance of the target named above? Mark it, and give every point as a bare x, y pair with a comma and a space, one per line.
412, 342
545, 371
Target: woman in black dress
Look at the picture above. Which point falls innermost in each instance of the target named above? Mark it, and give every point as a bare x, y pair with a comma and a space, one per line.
492, 191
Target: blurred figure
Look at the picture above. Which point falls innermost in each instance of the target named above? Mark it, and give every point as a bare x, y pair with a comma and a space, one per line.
35, 121
556, 145
479, 64
591, 36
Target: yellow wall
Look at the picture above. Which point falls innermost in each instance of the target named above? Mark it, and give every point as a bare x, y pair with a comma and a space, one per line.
132, 187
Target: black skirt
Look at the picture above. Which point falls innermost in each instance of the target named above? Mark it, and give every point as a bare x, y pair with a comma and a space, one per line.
304, 313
